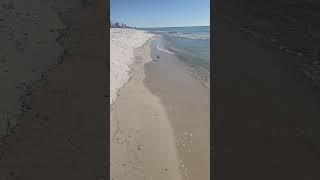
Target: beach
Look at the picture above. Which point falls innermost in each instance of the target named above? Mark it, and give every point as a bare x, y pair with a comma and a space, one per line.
160, 118
122, 44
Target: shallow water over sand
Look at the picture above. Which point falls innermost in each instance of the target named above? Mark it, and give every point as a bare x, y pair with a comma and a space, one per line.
187, 103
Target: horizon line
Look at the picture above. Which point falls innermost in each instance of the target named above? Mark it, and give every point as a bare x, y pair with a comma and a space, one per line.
173, 26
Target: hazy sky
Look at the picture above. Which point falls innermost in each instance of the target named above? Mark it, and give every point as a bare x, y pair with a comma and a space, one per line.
161, 13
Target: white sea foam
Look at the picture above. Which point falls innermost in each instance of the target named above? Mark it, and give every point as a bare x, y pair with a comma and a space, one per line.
164, 50
193, 36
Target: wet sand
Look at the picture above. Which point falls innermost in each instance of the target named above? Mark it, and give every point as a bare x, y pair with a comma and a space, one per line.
187, 102
142, 141
160, 121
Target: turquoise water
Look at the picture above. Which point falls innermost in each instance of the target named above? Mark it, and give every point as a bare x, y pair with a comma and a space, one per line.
192, 44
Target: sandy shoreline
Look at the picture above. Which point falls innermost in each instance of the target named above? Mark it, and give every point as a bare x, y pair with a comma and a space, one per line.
187, 102
142, 143
156, 131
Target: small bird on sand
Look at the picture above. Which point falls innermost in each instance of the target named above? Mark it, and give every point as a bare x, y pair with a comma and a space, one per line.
158, 56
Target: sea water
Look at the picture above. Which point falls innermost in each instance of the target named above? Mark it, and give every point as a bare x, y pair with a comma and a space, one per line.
191, 44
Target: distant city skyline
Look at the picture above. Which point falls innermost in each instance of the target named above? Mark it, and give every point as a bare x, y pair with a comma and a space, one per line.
160, 13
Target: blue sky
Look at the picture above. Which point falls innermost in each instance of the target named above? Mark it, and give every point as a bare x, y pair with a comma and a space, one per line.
161, 13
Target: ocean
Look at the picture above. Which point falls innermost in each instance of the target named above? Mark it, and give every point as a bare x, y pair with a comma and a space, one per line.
191, 44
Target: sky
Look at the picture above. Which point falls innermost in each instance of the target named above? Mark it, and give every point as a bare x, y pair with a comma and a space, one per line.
161, 13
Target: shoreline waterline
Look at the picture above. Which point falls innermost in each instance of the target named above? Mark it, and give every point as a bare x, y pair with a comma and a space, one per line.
140, 130
190, 44
187, 104
161, 94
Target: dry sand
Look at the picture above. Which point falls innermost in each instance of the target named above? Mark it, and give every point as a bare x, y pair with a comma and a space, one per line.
142, 141
122, 44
